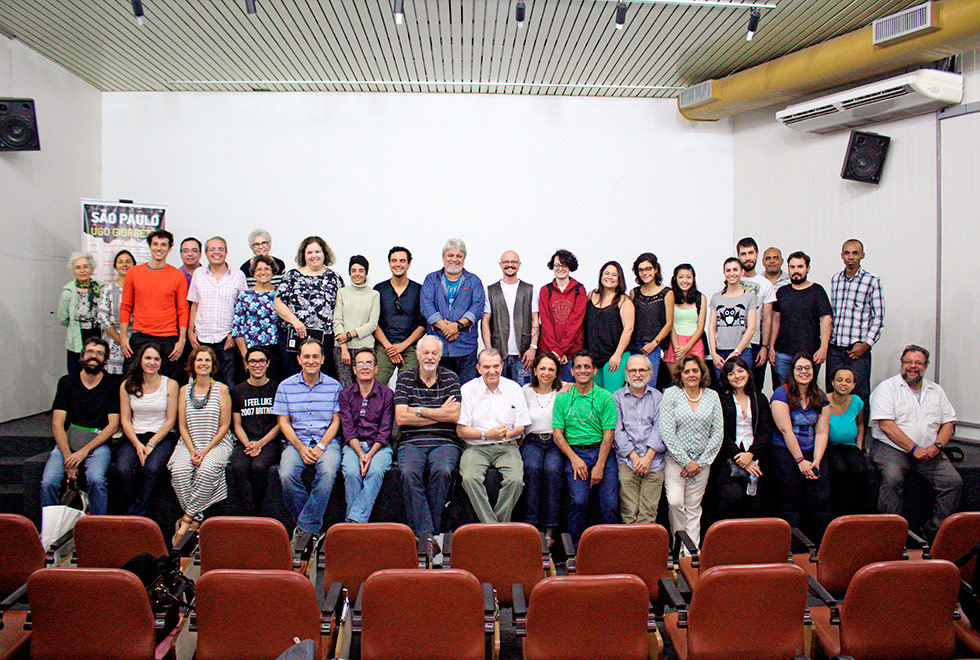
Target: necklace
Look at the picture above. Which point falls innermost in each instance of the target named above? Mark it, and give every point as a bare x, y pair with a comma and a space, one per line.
697, 398
200, 403
547, 397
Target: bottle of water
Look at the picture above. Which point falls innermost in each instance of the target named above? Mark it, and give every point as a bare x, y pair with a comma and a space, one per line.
753, 487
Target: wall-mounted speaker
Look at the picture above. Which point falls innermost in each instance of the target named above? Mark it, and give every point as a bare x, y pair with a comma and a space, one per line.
865, 157
18, 125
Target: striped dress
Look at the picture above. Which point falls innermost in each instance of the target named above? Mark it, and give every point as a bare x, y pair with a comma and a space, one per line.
200, 486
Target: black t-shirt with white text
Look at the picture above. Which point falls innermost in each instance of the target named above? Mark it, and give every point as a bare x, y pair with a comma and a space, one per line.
254, 404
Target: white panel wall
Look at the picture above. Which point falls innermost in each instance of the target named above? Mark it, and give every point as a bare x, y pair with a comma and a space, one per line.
40, 217
606, 178
970, 63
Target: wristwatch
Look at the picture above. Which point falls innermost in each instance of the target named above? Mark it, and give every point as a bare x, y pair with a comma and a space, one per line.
534, 346
483, 436
320, 446
459, 324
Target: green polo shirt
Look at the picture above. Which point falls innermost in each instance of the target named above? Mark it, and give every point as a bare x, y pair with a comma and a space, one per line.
584, 417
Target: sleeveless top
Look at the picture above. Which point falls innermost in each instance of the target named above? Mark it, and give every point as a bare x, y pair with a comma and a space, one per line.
603, 330
203, 422
150, 410
685, 321
651, 317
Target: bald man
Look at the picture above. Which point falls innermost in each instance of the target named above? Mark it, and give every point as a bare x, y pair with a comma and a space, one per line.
510, 320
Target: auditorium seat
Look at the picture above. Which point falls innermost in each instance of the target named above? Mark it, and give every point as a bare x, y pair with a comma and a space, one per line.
850, 543
588, 617
732, 542
245, 543
502, 554
749, 612
893, 610
111, 541
21, 555
415, 614
955, 538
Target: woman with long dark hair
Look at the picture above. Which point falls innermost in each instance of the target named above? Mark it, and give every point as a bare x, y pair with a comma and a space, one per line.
609, 317
544, 463
690, 305
654, 316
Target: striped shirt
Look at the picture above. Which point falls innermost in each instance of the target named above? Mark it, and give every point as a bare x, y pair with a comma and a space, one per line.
310, 409
412, 392
859, 308
215, 302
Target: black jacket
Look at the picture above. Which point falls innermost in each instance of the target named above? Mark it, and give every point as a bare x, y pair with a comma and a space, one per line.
761, 426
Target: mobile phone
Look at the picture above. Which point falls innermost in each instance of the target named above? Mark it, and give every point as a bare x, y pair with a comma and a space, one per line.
816, 471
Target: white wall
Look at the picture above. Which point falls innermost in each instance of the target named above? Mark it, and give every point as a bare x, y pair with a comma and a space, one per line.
40, 217
606, 178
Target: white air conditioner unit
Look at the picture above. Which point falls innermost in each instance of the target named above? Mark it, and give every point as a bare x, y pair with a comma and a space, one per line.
917, 93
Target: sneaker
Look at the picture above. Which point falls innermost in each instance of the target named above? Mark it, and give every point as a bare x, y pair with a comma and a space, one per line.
297, 532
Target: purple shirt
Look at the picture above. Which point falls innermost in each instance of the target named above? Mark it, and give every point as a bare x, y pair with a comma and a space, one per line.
368, 419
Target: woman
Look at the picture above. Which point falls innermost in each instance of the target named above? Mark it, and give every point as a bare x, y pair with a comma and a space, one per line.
608, 326
108, 312
544, 464
845, 452
731, 319
687, 331
78, 306
256, 323
654, 302
148, 414
260, 242
354, 318
197, 466
801, 419
305, 300
691, 427
747, 422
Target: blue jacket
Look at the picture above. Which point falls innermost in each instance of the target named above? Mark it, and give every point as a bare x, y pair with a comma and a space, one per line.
467, 305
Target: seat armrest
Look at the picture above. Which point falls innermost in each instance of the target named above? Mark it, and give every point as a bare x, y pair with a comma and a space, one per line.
447, 549
360, 599
545, 554
683, 538
916, 542
422, 549
333, 607
824, 596
800, 538
15, 598
64, 546
566, 541
489, 600
670, 593
519, 608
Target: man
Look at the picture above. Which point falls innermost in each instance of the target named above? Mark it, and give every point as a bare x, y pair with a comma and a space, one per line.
427, 409
859, 317
367, 412
772, 261
256, 427
190, 256
307, 404
510, 320
639, 449
765, 295
452, 300
260, 242
911, 421
584, 420
491, 421
561, 304
154, 299
85, 416
801, 320
212, 295
400, 323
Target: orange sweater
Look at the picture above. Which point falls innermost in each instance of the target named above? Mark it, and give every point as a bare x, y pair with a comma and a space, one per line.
156, 299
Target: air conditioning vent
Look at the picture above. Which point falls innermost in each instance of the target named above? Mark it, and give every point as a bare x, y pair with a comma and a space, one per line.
697, 95
910, 22
822, 111
868, 99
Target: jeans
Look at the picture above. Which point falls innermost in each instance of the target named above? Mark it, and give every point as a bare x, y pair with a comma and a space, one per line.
514, 369
578, 490
96, 464
138, 482
363, 491
250, 474
226, 361
894, 465
170, 368
783, 361
307, 509
746, 355
544, 472
463, 366
424, 502
803, 503
566, 372
612, 380
848, 479
837, 357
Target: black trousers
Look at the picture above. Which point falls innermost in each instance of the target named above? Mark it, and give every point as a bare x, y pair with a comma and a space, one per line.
848, 480
803, 503
250, 474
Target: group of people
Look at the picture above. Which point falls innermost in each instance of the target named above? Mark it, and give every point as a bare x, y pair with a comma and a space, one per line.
293, 368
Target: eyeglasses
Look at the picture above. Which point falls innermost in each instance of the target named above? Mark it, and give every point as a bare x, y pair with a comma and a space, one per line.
648, 269
803, 367
364, 404
913, 363
216, 249
641, 370
364, 363
257, 363
579, 418
260, 244
97, 353
510, 262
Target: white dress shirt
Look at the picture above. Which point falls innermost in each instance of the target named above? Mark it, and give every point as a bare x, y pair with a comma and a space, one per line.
483, 409
918, 417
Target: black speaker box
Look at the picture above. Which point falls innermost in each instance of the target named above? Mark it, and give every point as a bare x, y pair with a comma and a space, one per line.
865, 157
18, 125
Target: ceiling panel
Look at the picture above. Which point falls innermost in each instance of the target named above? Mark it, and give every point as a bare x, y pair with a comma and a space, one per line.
566, 47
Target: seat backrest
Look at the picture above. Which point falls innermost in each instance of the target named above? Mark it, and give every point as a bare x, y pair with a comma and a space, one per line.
85, 613
851, 542
244, 543
900, 610
746, 541
642, 549
748, 611
353, 551
21, 552
418, 614
588, 617
956, 537
111, 541
254, 613
502, 554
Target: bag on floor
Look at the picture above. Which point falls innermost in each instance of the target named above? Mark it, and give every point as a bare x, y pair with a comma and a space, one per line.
305, 650
171, 592
58, 520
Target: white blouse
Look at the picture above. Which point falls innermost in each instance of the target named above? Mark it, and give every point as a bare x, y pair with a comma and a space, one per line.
540, 406
743, 426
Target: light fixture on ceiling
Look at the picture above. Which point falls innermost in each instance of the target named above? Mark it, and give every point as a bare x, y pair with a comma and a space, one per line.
399, 12
250, 7
620, 15
520, 13
754, 17
138, 11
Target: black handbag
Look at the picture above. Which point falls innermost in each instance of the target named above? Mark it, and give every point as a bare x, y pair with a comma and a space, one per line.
171, 592
736, 472
72, 497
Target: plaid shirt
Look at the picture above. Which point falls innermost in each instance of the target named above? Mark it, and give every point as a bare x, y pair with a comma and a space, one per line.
859, 308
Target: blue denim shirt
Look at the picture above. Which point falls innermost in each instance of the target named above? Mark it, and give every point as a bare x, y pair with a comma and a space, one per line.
468, 304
